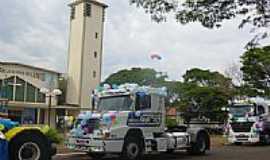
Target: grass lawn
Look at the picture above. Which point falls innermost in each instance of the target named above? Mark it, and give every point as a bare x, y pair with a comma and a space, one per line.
218, 141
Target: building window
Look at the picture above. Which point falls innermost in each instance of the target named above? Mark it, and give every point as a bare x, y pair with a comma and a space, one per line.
31, 93
103, 16
8, 85
20, 89
73, 11
41, 97
143, 101
94, 74
96, 35
87, 10
95, 54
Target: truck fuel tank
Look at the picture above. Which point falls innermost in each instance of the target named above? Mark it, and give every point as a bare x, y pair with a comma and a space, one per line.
178, 140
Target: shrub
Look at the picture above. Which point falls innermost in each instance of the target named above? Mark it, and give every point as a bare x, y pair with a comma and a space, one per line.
54, 136
171, 122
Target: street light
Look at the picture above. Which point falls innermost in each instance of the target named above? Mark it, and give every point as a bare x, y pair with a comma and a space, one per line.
50, 93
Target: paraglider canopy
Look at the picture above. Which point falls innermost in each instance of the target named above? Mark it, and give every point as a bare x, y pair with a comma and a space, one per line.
155, 56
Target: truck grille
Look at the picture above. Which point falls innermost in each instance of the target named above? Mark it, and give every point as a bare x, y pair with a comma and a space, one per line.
242, 126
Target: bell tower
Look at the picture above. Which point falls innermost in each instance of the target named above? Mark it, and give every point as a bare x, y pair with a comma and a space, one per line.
85, 50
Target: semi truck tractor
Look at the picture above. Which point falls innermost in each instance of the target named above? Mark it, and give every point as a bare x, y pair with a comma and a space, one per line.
130, 121
248, 122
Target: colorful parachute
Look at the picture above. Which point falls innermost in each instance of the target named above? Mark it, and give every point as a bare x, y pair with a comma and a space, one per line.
155, 56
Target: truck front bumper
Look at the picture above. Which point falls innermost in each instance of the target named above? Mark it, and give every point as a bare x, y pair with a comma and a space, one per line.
243, 138
95, 145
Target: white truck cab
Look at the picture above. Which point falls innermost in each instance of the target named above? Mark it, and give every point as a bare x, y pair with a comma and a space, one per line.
248, 122
130, 121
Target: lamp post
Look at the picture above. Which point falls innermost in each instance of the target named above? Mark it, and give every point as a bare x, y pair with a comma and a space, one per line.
50, 93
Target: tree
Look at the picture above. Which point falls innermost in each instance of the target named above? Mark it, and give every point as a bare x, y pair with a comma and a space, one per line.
148, 77
211, 13
140, 76
206, 78
208, 90
256, 70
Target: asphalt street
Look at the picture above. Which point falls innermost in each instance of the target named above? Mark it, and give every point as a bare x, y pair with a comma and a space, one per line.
222, 153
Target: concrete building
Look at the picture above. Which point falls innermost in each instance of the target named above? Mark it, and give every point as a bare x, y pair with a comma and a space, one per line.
21, 85
85, 51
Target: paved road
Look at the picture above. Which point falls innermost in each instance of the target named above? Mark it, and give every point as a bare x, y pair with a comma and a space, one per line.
223, 153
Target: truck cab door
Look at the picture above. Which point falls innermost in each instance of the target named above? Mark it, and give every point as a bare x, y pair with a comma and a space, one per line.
150, 110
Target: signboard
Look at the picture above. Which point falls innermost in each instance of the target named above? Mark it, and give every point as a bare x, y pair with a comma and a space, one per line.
35, 75
144, 119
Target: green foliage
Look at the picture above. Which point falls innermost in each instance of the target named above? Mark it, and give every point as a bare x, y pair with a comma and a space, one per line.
207, 78
171, 122
145, 76
210, 13
141, 76
210, 90
54, 136
256, 70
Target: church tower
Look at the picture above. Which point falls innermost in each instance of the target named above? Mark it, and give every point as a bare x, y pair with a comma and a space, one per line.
85, 50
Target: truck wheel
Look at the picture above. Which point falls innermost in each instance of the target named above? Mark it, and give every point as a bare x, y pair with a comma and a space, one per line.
29, 147
199, 147
264, 140
267, 141
133, 149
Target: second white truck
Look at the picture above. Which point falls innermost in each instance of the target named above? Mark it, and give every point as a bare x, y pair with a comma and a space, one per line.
130, 121
249, 122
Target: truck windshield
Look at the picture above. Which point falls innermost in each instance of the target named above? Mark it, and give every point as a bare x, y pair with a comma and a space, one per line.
115, 103
241, 110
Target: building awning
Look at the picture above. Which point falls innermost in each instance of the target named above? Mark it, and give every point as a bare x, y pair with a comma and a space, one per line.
14, 104
71, 107
21, 105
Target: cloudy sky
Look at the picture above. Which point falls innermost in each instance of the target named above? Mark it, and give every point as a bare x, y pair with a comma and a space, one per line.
35, 32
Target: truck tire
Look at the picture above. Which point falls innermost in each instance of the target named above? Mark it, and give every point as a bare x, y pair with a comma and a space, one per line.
133, 148
200, 146
29, 146
265, 139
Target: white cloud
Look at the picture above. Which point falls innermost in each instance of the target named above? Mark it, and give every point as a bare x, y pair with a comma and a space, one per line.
36, 32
